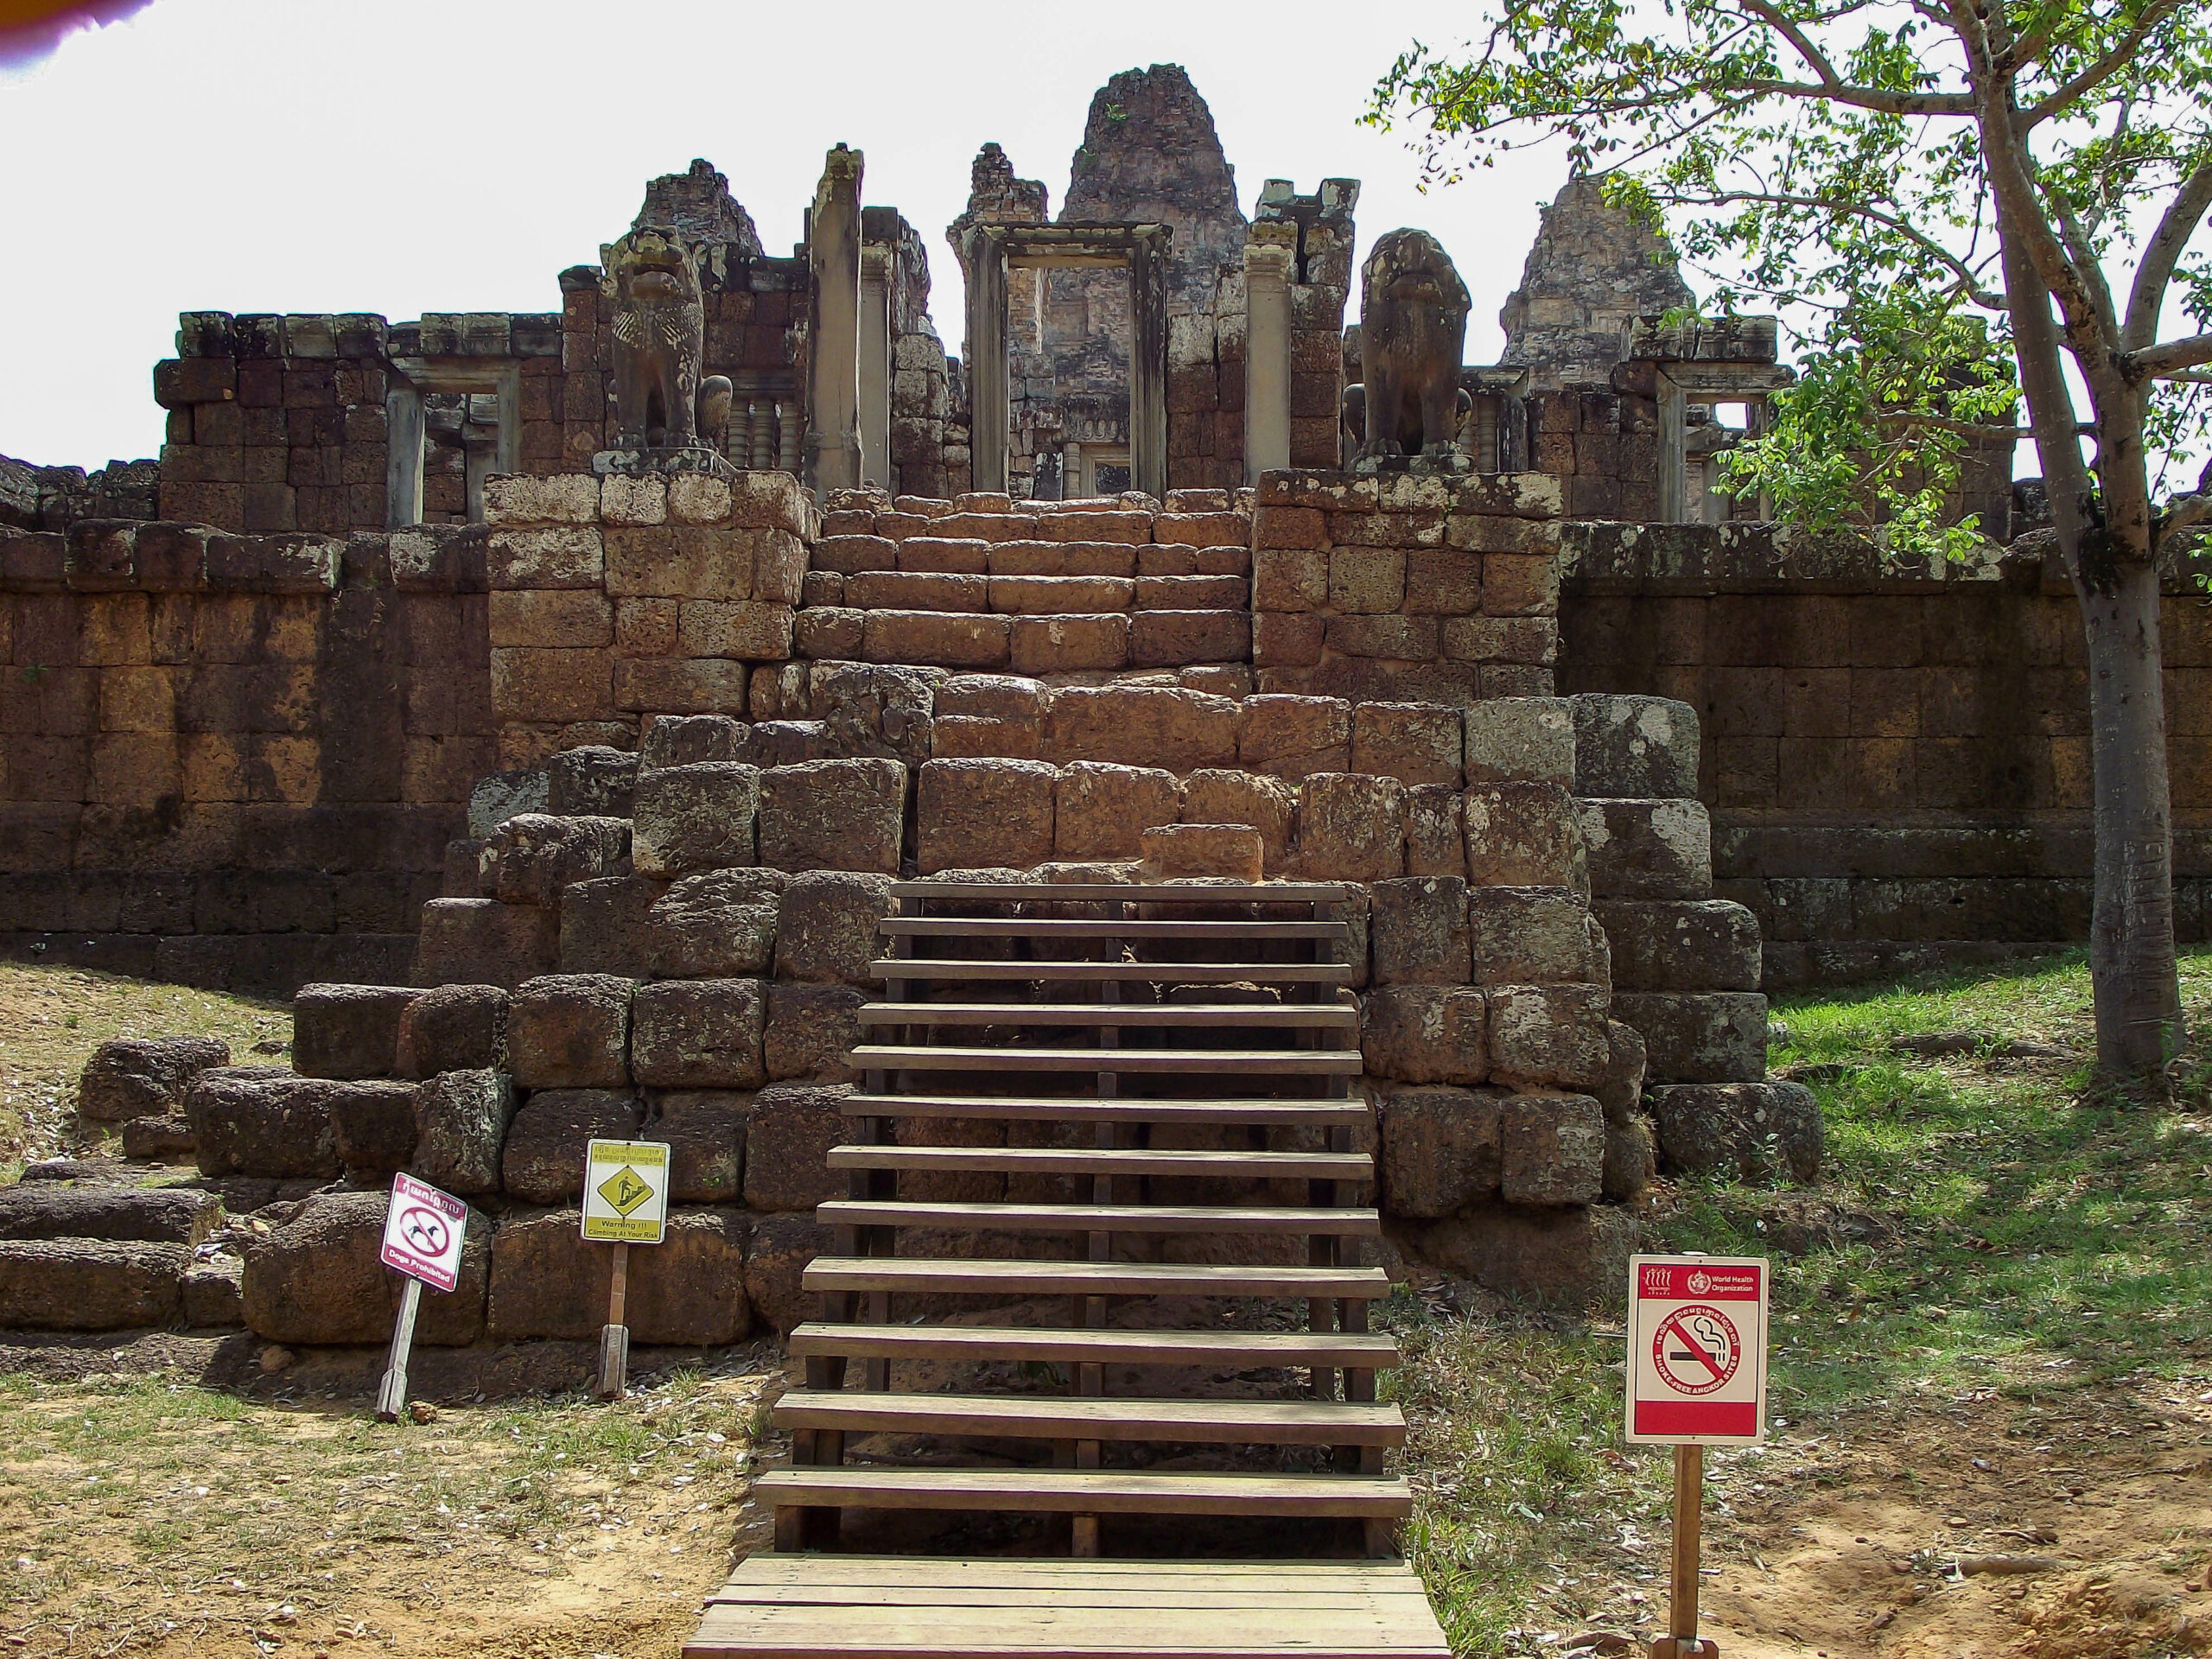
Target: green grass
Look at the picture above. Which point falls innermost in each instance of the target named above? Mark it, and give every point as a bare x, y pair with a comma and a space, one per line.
1980, 1223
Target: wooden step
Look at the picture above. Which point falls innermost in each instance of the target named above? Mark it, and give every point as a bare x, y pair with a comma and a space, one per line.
1131, 1108
1218, 1422
1077, 1161
838, 1606
1085, 1492
1289, 1061
987, 1276
1160, 973
1338, 1350
1041, 928
1152, 1219
1126, 1016
1265, 893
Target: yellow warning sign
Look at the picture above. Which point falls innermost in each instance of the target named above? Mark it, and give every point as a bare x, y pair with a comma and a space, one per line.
626, 1192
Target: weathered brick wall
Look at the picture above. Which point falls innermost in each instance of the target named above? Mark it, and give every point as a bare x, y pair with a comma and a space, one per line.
234, 760
1897, 759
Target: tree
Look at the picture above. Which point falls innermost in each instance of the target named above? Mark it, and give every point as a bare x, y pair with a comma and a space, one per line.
1975, 203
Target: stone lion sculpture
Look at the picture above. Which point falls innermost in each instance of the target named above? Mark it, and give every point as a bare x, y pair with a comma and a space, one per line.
659, 327
1412, 331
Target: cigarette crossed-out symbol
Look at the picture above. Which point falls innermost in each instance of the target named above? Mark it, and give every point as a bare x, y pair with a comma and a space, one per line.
1696, 1348
425, 1231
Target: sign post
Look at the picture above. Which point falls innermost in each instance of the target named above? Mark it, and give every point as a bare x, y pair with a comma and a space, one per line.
423, 1231
626, 1203
1696, 1378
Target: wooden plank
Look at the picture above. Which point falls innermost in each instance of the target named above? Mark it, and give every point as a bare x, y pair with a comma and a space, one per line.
769, 1573
1346, 1223
1062, 1161
989, 1276
1233, 1422
1123, 1015
1090, 1492
1122, 1108
1226, 1062
1347, 1350
1167, 973
1066, 927
1324, 1633
1273, 893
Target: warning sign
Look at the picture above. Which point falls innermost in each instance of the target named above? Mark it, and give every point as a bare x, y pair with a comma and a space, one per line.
423, 1231
626, 1192
1697, 1348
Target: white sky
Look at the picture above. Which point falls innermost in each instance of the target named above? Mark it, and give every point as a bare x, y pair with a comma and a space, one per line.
455, 155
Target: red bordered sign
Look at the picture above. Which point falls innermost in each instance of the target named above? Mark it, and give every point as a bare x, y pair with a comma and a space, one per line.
1697, 1348
423, 1231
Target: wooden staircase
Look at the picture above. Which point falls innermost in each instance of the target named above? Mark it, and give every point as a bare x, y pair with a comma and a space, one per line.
1169, 1070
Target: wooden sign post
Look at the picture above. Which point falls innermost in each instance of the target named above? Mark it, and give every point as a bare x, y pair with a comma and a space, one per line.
1696, 1378
626, 1203
423, 1232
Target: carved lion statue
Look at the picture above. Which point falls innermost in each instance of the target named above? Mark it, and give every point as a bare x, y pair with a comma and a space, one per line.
659, 327
1412, 331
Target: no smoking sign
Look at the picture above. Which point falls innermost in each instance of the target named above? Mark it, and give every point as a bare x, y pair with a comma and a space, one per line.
1697, 1348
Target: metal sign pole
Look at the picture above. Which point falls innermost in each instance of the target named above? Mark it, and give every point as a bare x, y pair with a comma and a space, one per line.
614, 1340
391, 1398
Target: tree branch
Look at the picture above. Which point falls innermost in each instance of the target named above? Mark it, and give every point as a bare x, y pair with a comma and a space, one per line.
2085, 261
2162, 253
1986, 297
1867, 98
2160, 362
2121, 54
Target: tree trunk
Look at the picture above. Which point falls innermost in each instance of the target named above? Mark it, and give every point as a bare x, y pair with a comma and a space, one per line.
2136, 984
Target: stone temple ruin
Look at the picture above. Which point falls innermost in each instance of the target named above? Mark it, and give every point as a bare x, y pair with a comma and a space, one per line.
551, 701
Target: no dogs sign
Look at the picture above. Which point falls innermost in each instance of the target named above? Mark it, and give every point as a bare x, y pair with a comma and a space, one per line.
423, 1232
1697, 1348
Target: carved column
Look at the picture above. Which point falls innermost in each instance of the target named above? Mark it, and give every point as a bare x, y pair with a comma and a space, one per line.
403, 473
1270, 254
1674, 453
1148, 363
986, 408
831, 456
876, 368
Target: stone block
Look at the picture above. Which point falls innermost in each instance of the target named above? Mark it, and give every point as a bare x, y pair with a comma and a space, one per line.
141, 1215
1215, 796
1366, 581
1163, 639
695, 818
372, 1129
1632, 746
1631, 1159
1143, 726
1414, 742
131, 1077
1532, 936
606, 925
717, 924
698, 1033
529, 859
1648, 848
1179, 852
984, 814
1566, 1255
828, 928
936, 638
255, 1120
1717, 1036
1102, 810
787, 1142
214, 1294
687, 1291
452, 1028
542, 1159
1523, 835
317, 1279
1419, 932
810, 1029
1437, 1150
1521, 739
1549, 1034
481, 941
501, 795
1436, 841
1425, 1033
1552, 1149
595, 781
1683, 945
1620, 1091
688, 741
1292, 737
989, 714
461, 1118
704, 1131
1754, 1131
80, 1284
870, 710
775, 1259
839, 814
570, 1030
347, 1031
1350, 828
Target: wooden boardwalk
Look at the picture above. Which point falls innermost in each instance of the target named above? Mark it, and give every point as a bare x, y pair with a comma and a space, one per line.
1125, 1114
